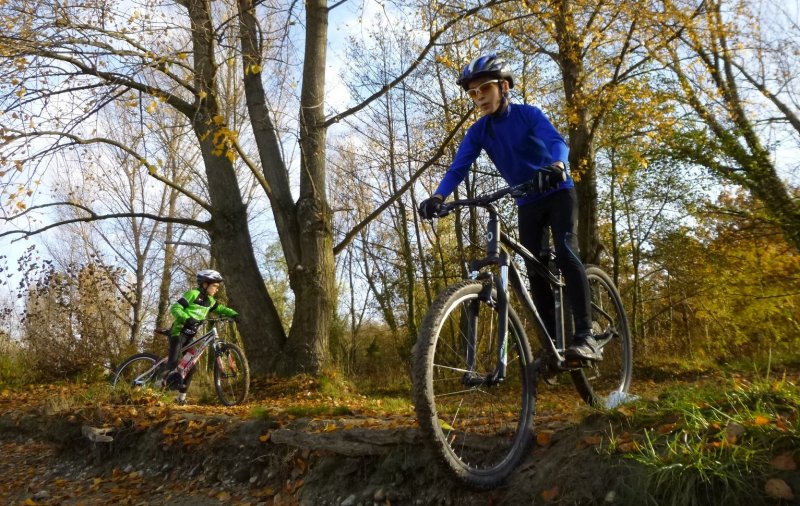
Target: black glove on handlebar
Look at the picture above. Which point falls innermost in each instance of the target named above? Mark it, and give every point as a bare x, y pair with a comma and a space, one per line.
548, 177
429, 208
552, 176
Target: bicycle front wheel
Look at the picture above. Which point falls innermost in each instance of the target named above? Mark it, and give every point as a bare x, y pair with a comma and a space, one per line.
136, 372
231, 375
612, 374
479, 429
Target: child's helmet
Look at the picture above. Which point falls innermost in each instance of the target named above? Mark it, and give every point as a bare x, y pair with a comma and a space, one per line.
486, 65
209, 276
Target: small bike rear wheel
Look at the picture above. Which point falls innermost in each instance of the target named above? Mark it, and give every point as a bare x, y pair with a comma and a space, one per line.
136, 372
480, 429
612, 374
231, 375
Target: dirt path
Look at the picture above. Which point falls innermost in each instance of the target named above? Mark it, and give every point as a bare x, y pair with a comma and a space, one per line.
209, 455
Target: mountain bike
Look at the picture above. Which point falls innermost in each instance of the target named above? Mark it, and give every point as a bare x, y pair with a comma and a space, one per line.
475, 377
231, 370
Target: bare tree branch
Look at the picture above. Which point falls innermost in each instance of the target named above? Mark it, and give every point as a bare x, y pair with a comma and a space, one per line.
348, 238
430, 45
151, 169
92, 216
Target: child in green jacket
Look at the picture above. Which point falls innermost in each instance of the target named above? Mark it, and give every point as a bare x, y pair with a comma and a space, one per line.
189, 312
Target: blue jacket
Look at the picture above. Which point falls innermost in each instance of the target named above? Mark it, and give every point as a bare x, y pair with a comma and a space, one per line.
519, 141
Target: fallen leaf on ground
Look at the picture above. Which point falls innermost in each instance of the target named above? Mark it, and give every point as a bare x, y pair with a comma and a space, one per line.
778, 489
784, 462
544, 437
550, 494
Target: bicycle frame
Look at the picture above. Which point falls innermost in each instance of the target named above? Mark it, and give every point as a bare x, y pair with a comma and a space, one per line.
201, 343
498, 245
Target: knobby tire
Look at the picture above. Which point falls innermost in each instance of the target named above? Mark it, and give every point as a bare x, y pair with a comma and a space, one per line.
612, 374
480, 433
231, 375
132, 367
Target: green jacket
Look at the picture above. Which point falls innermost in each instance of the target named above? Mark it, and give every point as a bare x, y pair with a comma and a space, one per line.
195, 304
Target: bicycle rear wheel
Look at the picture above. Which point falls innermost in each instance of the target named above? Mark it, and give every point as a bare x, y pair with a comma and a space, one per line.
612, 374
137, 371
231, 375
479, 430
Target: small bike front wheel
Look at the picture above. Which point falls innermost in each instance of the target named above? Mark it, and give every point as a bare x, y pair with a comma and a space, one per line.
479, 427
136, 372
231, 375
612, 375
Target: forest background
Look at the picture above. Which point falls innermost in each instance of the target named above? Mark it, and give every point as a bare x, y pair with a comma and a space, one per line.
288, 148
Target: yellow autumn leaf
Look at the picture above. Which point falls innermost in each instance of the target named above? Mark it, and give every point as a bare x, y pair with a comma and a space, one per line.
761, 420
152, 107
202, 94
264, 438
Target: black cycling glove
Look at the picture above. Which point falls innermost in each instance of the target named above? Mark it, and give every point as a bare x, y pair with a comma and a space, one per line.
549, 177
429, 208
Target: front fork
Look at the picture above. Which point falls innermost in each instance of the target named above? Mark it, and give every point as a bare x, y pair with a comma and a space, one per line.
500, 303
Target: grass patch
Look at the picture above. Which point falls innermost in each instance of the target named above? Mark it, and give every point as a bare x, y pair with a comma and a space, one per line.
15, 370
391, 405
714, 444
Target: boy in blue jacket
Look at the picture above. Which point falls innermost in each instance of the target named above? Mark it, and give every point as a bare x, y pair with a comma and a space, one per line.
524, 145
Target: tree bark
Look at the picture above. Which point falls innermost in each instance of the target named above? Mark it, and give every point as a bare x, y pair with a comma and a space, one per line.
313, 277
230, 237
581, 152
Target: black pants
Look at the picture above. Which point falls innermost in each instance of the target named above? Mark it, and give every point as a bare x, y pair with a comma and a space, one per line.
557, 213
175, 345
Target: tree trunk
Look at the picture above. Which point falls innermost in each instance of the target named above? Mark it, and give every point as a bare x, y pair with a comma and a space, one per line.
581, 152
230, 237
313, 278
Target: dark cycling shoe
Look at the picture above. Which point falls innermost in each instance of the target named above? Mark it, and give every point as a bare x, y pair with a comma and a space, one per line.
174, 381
584, 348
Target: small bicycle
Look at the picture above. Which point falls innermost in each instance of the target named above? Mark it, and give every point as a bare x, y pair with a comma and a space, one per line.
231, 371
475, 377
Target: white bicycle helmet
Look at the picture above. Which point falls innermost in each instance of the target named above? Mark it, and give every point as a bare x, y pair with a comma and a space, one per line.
209, 276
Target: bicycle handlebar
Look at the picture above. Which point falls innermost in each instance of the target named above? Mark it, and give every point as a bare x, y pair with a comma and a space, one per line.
485, 200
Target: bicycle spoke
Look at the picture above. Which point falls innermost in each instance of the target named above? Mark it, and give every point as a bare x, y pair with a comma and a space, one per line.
485, 426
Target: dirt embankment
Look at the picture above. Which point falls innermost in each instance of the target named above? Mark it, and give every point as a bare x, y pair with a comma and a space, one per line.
160, 454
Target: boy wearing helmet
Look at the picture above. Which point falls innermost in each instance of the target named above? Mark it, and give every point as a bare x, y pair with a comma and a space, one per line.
189, 312
524, 145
